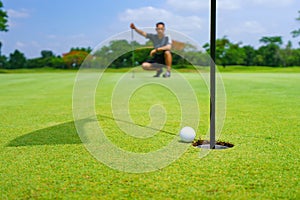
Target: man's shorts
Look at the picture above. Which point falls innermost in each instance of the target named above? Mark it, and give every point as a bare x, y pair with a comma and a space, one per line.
158, 58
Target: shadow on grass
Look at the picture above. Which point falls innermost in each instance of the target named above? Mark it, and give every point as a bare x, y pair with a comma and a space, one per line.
64, 133
131, 123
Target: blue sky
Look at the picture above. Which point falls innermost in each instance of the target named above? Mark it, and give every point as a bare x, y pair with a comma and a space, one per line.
58, 25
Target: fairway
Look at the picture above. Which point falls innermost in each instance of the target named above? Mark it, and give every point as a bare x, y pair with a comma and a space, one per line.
42, 156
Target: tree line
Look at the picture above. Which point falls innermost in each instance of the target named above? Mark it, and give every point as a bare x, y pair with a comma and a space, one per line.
121, 53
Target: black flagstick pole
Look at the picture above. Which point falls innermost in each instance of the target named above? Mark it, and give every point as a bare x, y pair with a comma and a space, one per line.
212, 74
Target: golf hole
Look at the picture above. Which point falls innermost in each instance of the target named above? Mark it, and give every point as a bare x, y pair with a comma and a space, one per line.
204, 144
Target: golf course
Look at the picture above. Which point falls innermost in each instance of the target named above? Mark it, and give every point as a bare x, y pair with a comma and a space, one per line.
43, 157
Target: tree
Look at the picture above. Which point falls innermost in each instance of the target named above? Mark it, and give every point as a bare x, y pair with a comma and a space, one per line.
88, 50
50, 60
276, 40
286, 55
117, 55
47, 54
234, 55
3, 61
296, 57
43, 61
57, 62
3, 27
3, 19
227, 53
270, 52
250, 54
16, 60
296, 33
74, 58
221, 46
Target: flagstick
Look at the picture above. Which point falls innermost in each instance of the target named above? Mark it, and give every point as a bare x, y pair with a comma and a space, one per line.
132, 76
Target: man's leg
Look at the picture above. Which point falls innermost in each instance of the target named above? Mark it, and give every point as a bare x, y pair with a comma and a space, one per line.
168, 61
153, 67
146, 66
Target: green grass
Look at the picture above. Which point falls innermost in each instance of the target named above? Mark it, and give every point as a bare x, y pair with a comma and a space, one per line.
43, 158
188, 68
259, 69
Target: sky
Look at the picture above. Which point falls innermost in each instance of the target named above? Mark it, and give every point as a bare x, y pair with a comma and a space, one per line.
59, 25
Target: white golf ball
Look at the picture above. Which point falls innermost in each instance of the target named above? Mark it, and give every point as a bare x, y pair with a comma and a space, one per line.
187, 134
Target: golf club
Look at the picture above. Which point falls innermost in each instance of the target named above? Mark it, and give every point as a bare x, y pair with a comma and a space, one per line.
132, 48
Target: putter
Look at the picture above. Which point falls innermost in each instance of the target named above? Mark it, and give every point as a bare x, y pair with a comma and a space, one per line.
132, 59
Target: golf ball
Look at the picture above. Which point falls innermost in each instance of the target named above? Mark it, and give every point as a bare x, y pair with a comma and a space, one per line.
187, 134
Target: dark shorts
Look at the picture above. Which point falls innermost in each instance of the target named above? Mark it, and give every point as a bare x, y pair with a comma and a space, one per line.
158, 58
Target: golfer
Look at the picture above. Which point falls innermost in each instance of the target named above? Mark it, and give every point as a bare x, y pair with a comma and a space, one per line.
161, 54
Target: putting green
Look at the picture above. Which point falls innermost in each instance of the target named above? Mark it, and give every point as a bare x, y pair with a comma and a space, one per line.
42, 156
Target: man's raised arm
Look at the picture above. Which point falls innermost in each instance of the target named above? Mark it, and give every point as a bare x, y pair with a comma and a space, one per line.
143, 33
